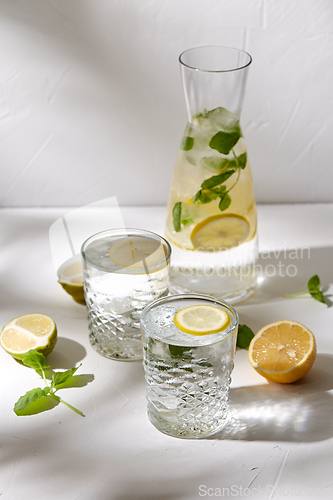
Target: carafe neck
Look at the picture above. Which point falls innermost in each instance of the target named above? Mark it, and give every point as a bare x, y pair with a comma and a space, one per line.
214, 77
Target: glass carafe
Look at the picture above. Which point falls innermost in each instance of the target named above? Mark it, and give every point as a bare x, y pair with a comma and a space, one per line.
211, 221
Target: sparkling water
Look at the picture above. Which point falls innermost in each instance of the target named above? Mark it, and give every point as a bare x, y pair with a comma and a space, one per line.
115, 297
187, 376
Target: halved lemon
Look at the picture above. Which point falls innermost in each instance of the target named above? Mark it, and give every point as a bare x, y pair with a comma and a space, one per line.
138, 253
70, 276
32, 331
220, 232
283, 351
201, 320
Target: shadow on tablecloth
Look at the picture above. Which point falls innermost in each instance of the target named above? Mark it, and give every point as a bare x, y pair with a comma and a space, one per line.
298, 412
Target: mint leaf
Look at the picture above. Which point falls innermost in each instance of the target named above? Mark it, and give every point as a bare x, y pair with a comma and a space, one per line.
205, 196
225, 202
30, 397
215, 180
186, 143
176, 214
59, 378
184, 222
318, 296
217, 164
178, 351
220, 190
314, 289
32, 403
34, 359
241, 161
244, 336
314, 284
223, 142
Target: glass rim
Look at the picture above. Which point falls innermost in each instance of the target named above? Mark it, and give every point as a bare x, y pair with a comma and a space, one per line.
125, 232
224, 47
230, 330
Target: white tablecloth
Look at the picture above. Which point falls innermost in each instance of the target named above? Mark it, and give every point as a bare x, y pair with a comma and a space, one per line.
280, 440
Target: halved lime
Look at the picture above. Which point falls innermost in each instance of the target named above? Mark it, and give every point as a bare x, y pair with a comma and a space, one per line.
202, 320
70, 277
32, 331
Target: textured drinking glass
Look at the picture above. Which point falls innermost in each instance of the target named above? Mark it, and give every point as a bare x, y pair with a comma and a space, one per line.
187, 376
123, 271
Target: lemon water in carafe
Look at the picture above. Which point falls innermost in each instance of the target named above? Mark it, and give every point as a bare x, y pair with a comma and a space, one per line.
211, 214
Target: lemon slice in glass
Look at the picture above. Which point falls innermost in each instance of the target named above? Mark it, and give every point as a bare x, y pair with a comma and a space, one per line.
283, 351
220, 232
201, 320
31, 331
70, 277
138, 254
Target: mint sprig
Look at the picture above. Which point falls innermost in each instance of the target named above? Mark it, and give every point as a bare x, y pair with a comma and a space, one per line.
314, 289
216, 180
44, 397
214, 187
223, 142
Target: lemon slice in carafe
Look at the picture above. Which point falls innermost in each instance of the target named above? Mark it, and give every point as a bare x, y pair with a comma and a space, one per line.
220, 232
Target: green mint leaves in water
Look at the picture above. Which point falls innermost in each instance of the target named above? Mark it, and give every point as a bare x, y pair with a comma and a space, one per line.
187, 143
314, 289
178, 220
223, 142
176, 214
39, 399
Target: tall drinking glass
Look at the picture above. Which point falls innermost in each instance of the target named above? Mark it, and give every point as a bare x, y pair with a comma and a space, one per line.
123, 271
188, 375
